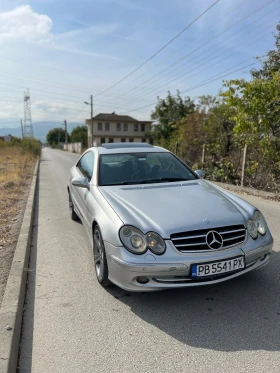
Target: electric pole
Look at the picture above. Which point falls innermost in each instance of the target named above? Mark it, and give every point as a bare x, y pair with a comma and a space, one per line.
66, 134
91, 113
21, 128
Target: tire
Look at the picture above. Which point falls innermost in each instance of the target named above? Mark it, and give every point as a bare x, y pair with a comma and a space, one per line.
73, 215
100, 260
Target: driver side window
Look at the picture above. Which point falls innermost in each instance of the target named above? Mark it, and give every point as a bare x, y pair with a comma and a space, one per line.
86, 164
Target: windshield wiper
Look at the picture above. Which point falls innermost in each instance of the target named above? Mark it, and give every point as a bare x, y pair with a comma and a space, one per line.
150, 181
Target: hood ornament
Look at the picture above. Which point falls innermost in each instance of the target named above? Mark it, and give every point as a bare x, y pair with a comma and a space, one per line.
214, 240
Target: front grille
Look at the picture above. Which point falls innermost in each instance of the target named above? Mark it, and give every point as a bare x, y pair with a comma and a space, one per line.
196, 240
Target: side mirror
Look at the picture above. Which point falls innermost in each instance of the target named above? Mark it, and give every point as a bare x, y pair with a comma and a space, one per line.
200, 173
81, 182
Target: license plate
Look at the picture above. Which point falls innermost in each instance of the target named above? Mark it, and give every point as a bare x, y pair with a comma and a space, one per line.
216, 268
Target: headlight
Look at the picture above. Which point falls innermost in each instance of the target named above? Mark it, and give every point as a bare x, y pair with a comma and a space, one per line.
260, 222
252, 228
155, 243
257, 224
133, 239
138, 243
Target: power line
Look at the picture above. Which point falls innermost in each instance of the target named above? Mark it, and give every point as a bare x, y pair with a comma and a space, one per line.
189, 73
159, 84
161, 49
61, 100
201, 84
31, 79
100, 103
201, 46
189, 41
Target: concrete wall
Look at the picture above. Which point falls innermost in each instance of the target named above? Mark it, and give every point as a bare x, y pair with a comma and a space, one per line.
76, 147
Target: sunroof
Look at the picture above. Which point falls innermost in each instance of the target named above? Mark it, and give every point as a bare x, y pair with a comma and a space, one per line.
121, 145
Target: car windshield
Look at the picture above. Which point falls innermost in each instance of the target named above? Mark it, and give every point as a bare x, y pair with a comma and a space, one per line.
141, 168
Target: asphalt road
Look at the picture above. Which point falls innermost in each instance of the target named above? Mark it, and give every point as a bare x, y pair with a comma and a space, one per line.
71, 324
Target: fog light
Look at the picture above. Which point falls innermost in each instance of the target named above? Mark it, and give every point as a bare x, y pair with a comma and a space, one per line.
142, 280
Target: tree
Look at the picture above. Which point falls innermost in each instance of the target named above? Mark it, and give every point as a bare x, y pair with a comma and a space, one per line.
257, 106
56, 135
79, 134
257, 116
168, 112
272, 62
219, 123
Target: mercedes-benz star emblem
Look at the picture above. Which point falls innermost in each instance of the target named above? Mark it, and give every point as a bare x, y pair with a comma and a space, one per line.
214, 240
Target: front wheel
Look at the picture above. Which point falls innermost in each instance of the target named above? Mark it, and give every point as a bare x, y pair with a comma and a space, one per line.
73, 215
100, 260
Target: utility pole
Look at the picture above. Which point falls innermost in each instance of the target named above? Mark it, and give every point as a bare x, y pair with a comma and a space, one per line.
66, 134
91, 113
21, 128
243, 165
203, 154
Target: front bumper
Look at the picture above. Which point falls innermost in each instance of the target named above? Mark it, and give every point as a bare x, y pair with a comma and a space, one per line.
173, 269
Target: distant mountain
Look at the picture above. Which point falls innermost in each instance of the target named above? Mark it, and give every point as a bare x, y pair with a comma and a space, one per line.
40, 129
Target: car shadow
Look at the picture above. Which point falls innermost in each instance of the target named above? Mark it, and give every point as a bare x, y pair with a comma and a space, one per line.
240, 314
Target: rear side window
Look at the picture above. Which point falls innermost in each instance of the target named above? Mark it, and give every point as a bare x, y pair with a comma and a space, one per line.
86, 164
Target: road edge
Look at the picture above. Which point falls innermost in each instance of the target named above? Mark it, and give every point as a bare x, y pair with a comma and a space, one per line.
254, 192
13, 300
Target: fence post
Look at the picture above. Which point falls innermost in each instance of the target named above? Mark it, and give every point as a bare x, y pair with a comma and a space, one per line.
176, 147
203, 154
243, 165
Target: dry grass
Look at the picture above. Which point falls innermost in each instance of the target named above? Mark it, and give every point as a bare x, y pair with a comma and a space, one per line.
16, 169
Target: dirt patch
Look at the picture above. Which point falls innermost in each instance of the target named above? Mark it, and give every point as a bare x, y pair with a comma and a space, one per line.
16, 171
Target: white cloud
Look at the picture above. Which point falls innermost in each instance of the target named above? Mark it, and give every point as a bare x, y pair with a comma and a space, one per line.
9, 111
22, 23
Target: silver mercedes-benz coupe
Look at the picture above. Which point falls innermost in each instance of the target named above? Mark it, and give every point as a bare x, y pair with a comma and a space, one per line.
155, 224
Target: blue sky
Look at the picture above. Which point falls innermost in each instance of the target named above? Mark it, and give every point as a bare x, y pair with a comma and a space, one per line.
66, 50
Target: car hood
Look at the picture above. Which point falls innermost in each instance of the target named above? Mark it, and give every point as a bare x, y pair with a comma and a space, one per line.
168, 208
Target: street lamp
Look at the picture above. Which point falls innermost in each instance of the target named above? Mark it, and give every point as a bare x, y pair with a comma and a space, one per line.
91, 115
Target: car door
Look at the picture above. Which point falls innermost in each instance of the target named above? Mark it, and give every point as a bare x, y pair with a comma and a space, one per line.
85, 168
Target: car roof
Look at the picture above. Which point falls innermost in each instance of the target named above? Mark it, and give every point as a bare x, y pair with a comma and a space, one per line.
119, 145
120, 148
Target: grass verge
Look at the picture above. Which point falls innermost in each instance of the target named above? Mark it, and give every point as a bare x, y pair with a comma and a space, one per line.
17, 162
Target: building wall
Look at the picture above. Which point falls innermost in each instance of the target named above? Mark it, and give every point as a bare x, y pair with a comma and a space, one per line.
113, 132
98, 139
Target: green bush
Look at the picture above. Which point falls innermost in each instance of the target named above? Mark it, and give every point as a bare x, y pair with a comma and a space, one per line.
31, 145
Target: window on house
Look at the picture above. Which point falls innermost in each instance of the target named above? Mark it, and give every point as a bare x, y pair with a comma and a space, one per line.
111, 139
131, 140
119, 126
135, 126
125, 126
107, 126
99, 126
123, 140
143, 140
103, 140
143, 127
